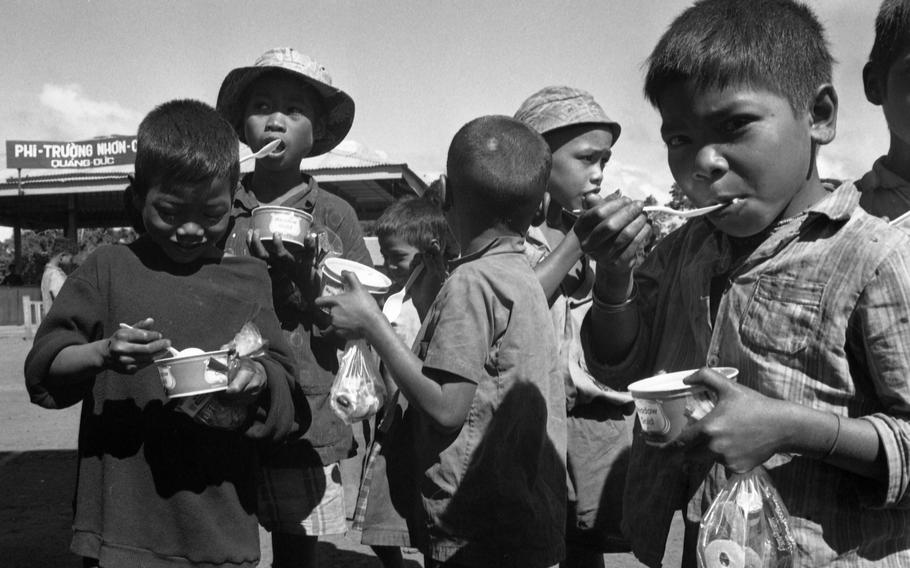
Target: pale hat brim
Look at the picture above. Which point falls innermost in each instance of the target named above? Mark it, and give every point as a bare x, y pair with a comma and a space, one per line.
557, 107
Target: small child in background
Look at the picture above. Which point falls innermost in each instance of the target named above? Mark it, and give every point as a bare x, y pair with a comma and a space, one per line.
412, 234
486, 401
154, 487
792, 283
53, 277
287, 96
581, 137
886, 188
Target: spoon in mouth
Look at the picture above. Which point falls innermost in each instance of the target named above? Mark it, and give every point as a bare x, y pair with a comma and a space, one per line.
687, 213
264, 151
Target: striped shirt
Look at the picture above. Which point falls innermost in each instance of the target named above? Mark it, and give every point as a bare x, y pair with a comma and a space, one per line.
817, 315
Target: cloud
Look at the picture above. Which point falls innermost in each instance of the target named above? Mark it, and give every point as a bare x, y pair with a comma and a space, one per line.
637, 182
73, 115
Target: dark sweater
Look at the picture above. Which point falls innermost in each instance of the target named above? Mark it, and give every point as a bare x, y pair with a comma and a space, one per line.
155, 488
327, 439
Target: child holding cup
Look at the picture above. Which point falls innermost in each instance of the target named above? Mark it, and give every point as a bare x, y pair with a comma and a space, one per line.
287, 96
154, 487
791, 283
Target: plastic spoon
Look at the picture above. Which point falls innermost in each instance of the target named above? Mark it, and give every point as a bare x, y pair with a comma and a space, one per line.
264, 151
575, 213
685, 213
171, 350
900, 219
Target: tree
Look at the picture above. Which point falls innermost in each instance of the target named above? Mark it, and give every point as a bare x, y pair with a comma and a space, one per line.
37, 247
664, 224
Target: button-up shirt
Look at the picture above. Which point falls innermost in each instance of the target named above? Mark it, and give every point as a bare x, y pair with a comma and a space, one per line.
816, 315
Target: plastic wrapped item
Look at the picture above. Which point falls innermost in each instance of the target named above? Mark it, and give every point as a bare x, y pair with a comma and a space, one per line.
358, 391
747, 526
209, 409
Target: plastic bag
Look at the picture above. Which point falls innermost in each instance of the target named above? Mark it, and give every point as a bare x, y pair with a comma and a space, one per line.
209, 409
747, 526
358, 391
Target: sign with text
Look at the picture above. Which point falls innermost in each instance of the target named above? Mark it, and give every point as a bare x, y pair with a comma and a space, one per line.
94, 153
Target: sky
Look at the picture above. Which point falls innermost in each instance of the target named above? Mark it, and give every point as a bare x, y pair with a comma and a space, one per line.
416, 69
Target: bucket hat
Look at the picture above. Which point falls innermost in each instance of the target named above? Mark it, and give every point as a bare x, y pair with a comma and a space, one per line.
556, 107
338, 106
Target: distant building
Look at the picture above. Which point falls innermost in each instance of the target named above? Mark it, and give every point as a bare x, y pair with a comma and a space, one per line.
89, 198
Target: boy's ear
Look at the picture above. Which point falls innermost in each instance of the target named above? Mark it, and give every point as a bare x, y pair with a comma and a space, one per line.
434, 248
872, 84
823, 114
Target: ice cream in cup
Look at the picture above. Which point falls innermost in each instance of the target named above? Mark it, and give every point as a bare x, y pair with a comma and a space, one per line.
665, 404
194, 372
292, 224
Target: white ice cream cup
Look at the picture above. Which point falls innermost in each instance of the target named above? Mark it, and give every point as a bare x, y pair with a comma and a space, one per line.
665, 404
292, 224
198, 373
372, 280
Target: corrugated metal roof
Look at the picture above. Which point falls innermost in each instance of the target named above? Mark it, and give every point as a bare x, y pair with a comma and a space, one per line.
368, 180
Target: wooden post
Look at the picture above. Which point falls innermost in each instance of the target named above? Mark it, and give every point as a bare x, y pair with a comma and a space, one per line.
17, 229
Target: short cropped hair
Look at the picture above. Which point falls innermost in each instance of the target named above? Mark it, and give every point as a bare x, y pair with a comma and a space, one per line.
185, 141
501, 166
416, 220
774, 44
892, 35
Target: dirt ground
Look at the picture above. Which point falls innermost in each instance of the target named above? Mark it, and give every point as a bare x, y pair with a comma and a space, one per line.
37, 476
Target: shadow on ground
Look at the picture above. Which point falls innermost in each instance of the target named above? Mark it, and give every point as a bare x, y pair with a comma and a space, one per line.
36, 508
36, 495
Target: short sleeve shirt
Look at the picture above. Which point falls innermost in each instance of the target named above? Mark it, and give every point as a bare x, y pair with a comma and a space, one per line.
499, 483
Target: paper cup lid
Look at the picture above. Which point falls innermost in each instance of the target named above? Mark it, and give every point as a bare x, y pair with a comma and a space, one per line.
372, 279
669, 384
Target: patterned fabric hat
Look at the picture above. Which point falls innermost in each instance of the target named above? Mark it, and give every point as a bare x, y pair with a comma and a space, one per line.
556, 107
337, 105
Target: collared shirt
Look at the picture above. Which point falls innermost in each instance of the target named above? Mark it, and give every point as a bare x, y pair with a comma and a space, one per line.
885, 194
817, 315
327, 439
494, 492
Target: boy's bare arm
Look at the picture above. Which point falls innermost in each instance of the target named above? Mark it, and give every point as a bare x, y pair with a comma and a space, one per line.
614, 233
746, 428
126, 351
552, 270
446, 399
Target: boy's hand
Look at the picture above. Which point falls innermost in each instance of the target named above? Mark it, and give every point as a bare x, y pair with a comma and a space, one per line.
613, 232
741, 430
246, 381
132, 348
299, 268
353, 313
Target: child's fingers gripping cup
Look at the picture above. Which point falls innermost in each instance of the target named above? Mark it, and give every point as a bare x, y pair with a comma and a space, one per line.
666, 405
332, 281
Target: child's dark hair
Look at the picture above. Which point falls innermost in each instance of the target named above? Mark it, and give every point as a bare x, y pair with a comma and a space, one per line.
185, 142
774, 44
416, 220
892, 36
501, 165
